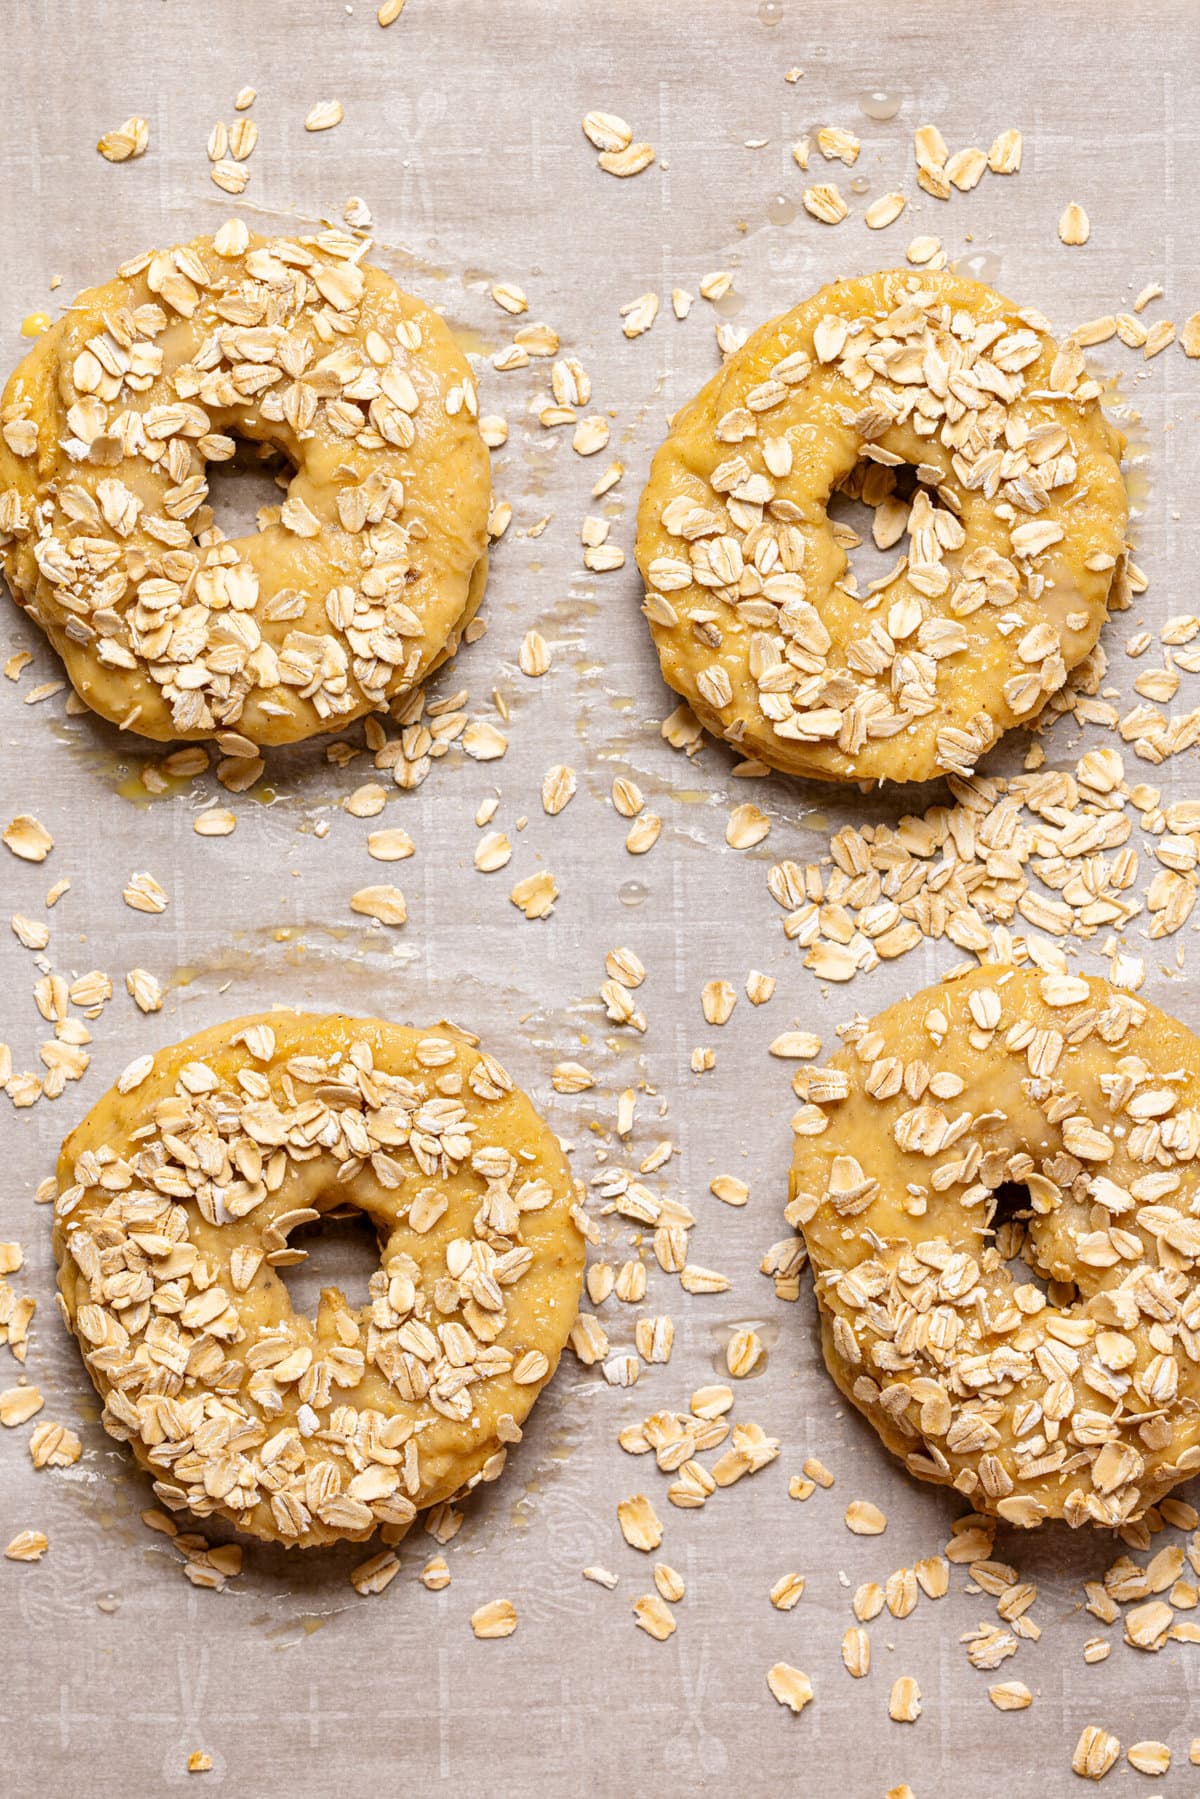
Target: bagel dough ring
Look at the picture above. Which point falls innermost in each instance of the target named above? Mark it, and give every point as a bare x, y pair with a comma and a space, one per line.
1033, 1406
1016, 527
178, 1192
371, 566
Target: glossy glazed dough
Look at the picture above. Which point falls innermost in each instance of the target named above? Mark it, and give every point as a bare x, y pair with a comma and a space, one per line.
375, 561
175, 1195
1089, 1097
747, 596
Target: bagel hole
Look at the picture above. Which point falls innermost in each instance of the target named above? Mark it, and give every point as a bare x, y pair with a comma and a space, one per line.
1008, 1230
343, 1252
255, 478
869, 500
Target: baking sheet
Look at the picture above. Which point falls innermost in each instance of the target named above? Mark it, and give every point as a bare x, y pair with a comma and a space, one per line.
462, 134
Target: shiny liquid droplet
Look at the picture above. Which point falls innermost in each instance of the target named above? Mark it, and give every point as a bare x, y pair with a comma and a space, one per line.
980, 265
770, 13
108, 1602
859, 185
730, 304
633, 893
878, 104
781, 210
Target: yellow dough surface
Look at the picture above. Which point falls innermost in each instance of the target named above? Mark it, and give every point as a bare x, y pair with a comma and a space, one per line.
1015, 524
359, 582
1081, 1401
177, 1197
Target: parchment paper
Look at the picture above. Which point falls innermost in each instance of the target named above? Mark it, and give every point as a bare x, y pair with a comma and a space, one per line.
462, 134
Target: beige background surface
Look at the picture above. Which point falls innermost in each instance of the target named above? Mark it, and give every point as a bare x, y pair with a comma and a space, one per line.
462, 133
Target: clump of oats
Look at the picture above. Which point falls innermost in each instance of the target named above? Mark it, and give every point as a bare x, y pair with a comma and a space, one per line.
127, 142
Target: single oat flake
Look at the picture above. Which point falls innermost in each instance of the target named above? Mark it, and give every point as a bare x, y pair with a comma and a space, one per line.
324, 116
28, 838
496, 1619
27, 1546
1073, 226
790, 1687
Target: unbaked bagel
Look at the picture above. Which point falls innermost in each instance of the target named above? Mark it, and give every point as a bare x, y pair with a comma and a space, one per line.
1016, 523
177, 1195
375, 560
1082, 1402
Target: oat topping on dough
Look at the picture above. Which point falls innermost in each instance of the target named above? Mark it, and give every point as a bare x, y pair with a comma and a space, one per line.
1014, 513
358, 584
178, 1195
1076, 1403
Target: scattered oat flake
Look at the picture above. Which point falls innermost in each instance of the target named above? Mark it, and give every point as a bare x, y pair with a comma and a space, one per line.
600, 1577
904, 1700
509, 297
591, 434
629, 161
19, 1404
743, 1352
607, 130
787, 1592
144, 989
1073, 226
717, 1000
639, 314
496, 1619
435, 1575
324, 116
884, 211
391, 845
54, 1446
27, 1546
640, 1523
376, 1573
492, 852
838, 145
789, 1686
143, 894
1010, 1696
28, 838
536, 894
654, 1617
558, 788
1095, 1752
126, 142
389, 12
1149, 1757
923, 249
217, 821
825, 202
670, 1582
746, 826
1189, 335
483, 742
384, 903
1004, 157
965, 169
199, 1762
534, 656
1160, 334
643, 834
865, 1519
